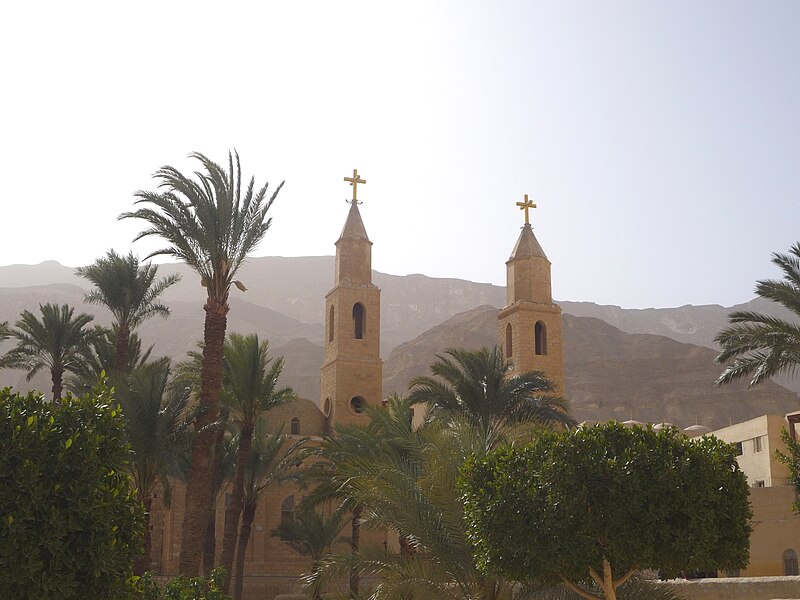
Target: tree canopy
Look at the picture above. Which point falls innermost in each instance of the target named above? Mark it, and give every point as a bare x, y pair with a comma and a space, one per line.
70, 520
597, 503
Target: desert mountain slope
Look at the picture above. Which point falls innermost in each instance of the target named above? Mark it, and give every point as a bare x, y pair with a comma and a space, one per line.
296, 287
611, 374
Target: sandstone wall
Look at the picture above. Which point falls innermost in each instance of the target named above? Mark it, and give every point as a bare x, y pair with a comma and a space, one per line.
738, 588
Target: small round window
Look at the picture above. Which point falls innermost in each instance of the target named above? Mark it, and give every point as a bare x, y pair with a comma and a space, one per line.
357, 404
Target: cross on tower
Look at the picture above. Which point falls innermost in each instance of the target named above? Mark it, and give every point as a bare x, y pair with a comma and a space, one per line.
354, 181
525, 206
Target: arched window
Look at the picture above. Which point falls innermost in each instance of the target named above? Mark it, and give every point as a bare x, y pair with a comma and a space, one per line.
789, 562
287, 510
540, 332
330, 325
326, 410
358, 321
357, 403
509, 342
294, 427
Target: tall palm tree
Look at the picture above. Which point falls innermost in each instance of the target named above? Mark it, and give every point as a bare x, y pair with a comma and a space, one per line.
271, 461
760, 345
311, 534
211, 224
130, 291
250, 381
60, 341
476, 386
157, 424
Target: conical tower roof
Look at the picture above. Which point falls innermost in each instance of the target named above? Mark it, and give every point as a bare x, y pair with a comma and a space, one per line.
354, 227
527, 245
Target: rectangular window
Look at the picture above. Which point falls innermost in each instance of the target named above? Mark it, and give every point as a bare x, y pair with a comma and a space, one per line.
758, 483
739, 448
757, 444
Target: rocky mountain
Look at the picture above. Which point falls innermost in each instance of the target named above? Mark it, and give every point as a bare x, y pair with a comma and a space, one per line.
644, 364
294, 287
610, 373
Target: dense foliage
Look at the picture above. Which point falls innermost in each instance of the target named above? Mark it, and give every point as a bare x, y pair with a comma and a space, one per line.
70, 521
598, 502
792, 460
180, 588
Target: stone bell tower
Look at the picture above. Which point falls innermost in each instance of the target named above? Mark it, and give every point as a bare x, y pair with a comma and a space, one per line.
530, 323
352, 367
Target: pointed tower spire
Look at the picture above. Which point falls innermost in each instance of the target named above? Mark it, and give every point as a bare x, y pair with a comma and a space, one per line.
352, 367
530, 323
353, 248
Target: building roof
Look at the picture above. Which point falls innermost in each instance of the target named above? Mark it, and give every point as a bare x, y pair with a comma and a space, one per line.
527, 245
354, 227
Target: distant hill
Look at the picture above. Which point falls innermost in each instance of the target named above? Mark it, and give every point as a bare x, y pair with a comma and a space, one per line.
645, 364
611, 374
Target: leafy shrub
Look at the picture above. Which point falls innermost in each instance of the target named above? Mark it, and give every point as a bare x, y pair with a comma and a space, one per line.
181, 588
70, 522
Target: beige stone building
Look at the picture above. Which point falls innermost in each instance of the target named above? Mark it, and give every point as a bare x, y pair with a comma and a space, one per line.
351, 378
775, 540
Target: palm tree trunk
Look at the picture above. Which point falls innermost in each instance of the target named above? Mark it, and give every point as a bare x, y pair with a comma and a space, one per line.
121, 351
142, 563
234, 509
355, 541
57, 374
248, 514
210, 538
210, 544
201, 476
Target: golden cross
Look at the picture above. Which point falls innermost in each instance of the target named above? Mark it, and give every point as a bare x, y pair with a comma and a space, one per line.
354, 181
525, 206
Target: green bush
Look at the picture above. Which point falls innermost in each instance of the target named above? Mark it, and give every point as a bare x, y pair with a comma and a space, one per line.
70, 522
180, 588
597, 503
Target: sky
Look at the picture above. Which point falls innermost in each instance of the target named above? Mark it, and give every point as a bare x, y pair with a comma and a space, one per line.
659, 140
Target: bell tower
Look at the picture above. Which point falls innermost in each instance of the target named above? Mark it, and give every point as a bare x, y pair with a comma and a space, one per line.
352, 367
530, 323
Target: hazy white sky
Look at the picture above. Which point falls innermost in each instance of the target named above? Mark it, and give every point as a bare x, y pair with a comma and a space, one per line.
660, 140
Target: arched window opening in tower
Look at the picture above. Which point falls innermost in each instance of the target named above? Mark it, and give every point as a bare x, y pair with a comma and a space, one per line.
357, 403
294, 427
287, 511
540, 332
509, 342
358, 320
790, 562
330, 325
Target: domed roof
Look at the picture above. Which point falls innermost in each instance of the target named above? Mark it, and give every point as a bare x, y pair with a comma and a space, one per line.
696, 430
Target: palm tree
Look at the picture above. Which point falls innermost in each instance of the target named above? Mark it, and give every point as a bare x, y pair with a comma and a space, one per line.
130, 291
476, 386
157, 425
407, 484
250, 389
212, 225
391, 427
760, 345
59, 342
102, 359
311, 534
270, 462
